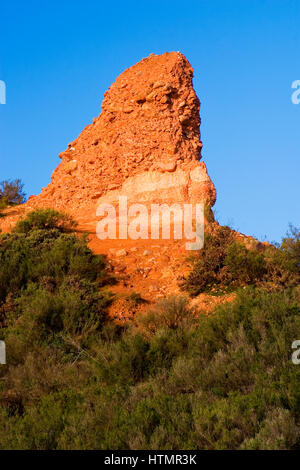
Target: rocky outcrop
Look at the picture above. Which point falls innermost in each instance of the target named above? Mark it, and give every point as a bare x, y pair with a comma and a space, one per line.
145, 143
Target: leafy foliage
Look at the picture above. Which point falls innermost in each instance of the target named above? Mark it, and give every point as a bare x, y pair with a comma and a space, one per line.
49, 277
224, 261
173, 379
225, 381
11, 192
42, 219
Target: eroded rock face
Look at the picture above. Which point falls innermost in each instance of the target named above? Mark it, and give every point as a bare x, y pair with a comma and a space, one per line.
144, 144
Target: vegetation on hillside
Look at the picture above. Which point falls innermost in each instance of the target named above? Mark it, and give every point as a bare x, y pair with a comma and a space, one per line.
11, 193
170, 380
225, 263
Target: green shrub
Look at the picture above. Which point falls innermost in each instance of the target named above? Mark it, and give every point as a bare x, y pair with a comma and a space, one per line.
172, 379
41, 219
11, 193
245, 266
50, 282
291, 244
209, 266
172, 313
225, 382
279, 431
225, 263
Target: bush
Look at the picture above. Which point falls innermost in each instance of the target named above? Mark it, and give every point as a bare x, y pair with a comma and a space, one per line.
291, 244
171, 313
50, 281
224, 382
45, 256
278, 432
172, 379
245, 266
209, 266
11, 193
225, 264
42, 219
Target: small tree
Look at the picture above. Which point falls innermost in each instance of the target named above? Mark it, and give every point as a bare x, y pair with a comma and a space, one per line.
11, 192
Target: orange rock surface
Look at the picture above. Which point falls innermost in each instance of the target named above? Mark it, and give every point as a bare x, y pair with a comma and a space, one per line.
145, 143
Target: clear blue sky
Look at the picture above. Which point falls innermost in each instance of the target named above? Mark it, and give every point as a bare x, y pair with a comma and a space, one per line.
58, 58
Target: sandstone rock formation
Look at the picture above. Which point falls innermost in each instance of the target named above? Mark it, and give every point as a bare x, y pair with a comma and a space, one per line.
145, 144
